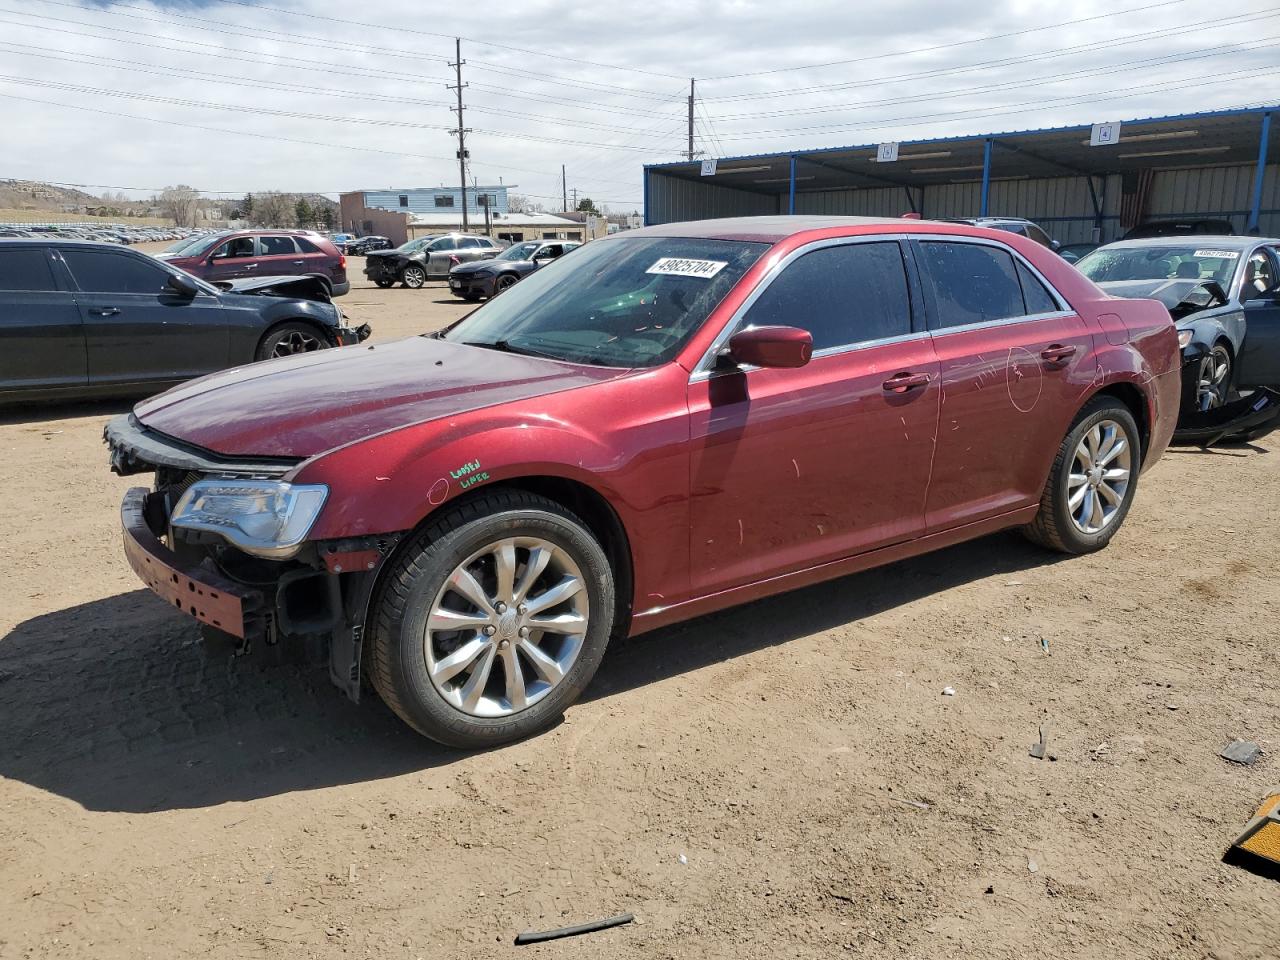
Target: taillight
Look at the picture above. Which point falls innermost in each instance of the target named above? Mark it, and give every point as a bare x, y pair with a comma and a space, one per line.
342, 260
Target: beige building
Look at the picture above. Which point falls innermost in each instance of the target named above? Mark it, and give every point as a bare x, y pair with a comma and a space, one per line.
512, 227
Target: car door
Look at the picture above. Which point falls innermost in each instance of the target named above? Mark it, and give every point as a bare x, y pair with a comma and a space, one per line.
440, 257
232, 259
1258, 364
41, 334
795, 467
136, 328
546, 253
278, 256
1015, 363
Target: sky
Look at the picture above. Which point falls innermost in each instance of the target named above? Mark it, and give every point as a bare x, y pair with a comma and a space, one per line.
232, 96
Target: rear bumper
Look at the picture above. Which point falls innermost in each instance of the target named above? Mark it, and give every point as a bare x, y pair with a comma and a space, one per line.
341, 288
195, 590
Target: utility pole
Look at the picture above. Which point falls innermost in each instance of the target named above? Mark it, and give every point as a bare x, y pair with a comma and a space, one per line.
691, 96
462, 131
564, 191
575, 198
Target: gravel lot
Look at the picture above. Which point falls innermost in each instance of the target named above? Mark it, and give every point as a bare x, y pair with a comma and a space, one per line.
784, 779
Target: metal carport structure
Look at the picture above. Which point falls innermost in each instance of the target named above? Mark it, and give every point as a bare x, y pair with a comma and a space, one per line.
1203, 165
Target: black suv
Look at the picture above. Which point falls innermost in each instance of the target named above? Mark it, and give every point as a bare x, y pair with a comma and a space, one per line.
84, 319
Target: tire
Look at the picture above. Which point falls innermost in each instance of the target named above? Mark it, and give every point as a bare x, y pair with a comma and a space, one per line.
504, 282
384, 284
290, 339
1058, 525
418, 591
1213, 381
414, 276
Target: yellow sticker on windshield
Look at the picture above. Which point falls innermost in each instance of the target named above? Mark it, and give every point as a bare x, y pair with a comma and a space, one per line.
682, 267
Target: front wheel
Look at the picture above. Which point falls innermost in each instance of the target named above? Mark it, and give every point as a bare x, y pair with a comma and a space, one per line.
290, 339
385, 284
414, 276
1213, 385
1093, 480
504, 282
492, 621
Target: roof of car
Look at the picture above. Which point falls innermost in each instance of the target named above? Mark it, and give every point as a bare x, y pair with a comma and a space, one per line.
769, 229
1201, 240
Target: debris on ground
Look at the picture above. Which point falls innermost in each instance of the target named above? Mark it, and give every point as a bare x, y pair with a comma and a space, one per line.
1244, 752
534, 936
948, 691
1032, 866
1040, 749
1257, 849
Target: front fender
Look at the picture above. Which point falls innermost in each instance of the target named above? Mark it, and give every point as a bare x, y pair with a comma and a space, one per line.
392, 483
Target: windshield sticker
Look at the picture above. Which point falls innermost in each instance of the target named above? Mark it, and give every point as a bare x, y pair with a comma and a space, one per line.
681, 267
1218, 254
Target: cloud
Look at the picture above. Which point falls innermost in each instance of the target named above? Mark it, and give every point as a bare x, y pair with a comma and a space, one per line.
233, 96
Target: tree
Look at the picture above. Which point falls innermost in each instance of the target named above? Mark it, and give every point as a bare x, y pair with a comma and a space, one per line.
302, 210
273, 209
327, 217
179, 204
520, 204
246, 207
587, 205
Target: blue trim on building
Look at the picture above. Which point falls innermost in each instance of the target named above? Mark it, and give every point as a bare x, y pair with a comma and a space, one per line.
646, 221
986, 177
791, 194
1183, 117
1256, 207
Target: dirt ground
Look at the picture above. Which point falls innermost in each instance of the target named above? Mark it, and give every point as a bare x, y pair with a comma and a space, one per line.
780, 780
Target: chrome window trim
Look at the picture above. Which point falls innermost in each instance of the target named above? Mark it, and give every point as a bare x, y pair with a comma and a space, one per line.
705, 368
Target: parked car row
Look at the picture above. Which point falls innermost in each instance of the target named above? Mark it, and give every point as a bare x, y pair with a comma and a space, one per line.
115, 233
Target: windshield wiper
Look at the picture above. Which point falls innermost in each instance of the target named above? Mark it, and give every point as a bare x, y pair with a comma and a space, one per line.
506, 346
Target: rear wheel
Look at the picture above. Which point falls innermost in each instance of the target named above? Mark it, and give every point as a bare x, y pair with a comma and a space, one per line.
493, 620
1093, 480
290, 339
414, 276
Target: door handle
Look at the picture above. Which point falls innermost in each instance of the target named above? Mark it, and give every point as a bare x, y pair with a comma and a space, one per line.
903, 382
104, 312
1057, 353
299, 262
251, 266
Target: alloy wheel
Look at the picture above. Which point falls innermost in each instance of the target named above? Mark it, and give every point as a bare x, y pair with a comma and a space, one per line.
1214, 380
1099, 477
414, 277
295, 342
506, 627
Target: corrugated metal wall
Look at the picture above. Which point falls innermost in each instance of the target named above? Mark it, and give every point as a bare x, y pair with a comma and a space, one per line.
1218, 192
1061, 205
672, 199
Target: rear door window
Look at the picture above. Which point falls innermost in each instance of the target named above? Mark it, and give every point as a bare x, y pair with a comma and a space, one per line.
1034, 293
842, 295
26, 269
971, 283
277, 246
102, 272
305, 245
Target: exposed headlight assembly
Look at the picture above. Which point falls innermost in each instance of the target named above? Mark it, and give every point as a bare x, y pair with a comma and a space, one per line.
1184, 339
267, 518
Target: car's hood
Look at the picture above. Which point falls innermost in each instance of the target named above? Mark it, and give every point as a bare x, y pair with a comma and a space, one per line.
304, 405
475, 266
299, 286
1169, 292
386, 253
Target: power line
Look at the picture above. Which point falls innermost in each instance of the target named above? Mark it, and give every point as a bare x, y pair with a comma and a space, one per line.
1235, 20
401, 28
947, 46
1084, 74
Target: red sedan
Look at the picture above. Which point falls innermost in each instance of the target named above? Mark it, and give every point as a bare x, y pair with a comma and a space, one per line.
663, 424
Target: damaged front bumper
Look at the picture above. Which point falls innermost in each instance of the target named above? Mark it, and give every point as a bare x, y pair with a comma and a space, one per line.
314, 600
350, 336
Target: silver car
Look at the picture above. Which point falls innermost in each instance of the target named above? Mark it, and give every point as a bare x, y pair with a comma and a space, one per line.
427, 258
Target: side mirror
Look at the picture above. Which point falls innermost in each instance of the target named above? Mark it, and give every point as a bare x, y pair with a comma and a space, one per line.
1055, 245
183, 286
771, 347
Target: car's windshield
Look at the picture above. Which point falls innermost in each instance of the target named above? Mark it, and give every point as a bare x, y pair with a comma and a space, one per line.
629, 302
194, 248
414, 245
1160, 262
519, 251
